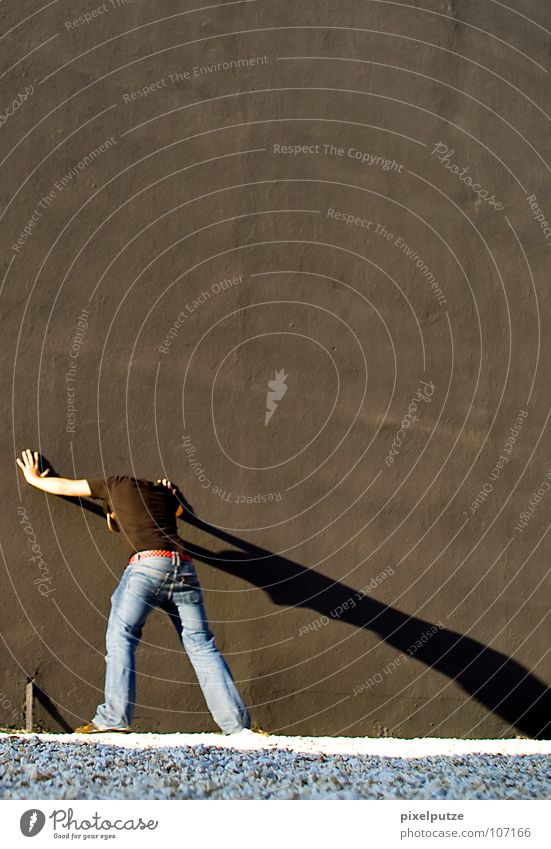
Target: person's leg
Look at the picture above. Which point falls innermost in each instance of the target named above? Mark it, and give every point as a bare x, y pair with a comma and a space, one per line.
184, 603
130, 605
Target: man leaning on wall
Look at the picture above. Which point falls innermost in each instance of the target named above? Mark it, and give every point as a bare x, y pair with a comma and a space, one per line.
160, 574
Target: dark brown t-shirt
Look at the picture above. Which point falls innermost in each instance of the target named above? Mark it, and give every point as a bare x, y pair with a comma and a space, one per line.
145, 512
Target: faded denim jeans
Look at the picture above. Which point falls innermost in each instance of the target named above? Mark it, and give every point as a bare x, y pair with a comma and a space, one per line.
169, 584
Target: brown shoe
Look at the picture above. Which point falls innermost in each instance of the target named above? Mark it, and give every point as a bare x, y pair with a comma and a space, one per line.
258, 730
91, 728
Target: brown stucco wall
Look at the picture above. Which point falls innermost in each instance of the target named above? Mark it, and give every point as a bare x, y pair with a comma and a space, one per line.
355, 588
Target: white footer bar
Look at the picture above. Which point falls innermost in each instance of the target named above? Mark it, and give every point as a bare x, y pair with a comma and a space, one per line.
277, 824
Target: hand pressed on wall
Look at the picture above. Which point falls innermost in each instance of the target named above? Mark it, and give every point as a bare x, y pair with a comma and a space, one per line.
47, 482
30, 467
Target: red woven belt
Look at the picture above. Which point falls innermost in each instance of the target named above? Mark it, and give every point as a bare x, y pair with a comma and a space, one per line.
156, 552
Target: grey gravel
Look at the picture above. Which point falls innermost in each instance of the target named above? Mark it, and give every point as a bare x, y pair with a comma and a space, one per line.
32, 767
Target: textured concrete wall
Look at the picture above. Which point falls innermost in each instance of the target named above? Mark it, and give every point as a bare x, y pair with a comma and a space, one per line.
348, 199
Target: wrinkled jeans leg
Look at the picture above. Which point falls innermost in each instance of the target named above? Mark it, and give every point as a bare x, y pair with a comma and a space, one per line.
221, 694
130, 606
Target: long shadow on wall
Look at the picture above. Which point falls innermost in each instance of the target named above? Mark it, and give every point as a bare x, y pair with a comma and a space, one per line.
495, 680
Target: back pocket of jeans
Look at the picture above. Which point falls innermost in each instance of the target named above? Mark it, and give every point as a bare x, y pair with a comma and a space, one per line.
190, 595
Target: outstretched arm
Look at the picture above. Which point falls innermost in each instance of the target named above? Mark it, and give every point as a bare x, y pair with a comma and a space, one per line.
57, 486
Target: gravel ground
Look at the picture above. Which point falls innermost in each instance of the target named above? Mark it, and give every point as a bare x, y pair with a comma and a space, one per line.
210, 766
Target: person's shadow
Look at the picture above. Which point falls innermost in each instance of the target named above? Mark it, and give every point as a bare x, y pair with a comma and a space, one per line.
494, 679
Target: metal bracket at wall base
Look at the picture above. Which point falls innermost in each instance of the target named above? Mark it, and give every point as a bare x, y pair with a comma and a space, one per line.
29, 694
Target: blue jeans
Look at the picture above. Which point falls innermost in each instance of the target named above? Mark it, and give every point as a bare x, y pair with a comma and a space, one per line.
170, 584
